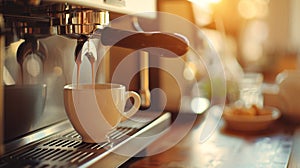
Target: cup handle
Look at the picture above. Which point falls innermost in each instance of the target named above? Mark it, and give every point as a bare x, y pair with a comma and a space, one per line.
135, 107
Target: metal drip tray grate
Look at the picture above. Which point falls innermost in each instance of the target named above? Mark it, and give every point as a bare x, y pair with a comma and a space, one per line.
67, 149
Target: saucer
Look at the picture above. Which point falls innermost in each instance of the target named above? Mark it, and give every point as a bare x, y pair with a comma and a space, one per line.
249, 122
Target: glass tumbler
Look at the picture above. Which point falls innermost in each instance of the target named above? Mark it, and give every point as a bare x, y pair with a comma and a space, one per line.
250, 88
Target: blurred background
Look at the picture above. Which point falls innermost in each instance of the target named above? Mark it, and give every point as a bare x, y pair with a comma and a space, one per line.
249, 36
262, 35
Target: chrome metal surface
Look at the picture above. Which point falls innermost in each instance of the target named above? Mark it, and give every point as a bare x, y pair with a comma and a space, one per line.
54, 129
81, 21
50, 19
54, 147
136, 142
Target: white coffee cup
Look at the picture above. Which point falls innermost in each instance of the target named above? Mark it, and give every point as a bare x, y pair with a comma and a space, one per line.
95, 110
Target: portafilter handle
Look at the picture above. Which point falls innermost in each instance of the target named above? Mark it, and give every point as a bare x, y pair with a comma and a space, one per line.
171, 44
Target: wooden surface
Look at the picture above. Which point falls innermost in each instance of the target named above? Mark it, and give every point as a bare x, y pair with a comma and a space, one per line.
223, 145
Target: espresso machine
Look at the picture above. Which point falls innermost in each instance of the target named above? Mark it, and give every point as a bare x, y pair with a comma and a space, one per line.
42, 44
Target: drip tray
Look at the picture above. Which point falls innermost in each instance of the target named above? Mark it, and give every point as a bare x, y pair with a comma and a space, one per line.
65, 149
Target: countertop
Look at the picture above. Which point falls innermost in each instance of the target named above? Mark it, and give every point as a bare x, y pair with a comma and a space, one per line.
278, 146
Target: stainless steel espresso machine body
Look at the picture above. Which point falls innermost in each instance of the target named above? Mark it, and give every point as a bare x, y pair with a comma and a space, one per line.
42, 44
39, 56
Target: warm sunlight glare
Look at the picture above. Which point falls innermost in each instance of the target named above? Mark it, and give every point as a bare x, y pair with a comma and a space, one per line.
253, 9
206, 2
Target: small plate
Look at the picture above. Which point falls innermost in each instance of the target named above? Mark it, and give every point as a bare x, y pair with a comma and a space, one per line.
250, 122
